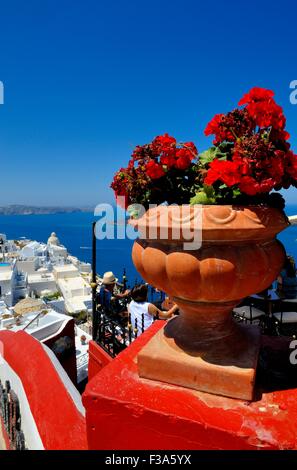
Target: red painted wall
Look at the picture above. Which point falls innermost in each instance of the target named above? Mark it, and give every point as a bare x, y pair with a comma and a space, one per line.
60, 425
124, 411
98, 359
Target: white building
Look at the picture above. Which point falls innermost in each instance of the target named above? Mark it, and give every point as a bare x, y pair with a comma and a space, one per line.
20, 286
29, 265
57, 251
82, 266
8, 248
6, 282
55, 248
65, 271
73, 260
42, 324
41, 281
41, 269
33, 249
75, 290
53, 239
85, 268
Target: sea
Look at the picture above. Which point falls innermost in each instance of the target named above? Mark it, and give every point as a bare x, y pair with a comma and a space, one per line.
74, 230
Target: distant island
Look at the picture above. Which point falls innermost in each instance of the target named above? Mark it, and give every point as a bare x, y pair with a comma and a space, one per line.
17, 209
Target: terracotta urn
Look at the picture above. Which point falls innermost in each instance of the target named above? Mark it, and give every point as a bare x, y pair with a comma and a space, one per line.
235, 254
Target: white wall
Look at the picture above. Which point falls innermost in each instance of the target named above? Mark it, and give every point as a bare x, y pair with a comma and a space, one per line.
28, 426
28, 266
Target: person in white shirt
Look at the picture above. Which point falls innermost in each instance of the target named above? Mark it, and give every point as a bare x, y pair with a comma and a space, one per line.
144, 311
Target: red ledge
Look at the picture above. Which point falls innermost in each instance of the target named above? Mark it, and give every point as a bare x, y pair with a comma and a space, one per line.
127, 412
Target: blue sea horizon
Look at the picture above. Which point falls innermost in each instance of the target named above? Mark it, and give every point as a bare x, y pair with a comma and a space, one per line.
75, 232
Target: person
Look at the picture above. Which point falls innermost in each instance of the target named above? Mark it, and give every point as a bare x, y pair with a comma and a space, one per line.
108, 298
145, 311
287, 280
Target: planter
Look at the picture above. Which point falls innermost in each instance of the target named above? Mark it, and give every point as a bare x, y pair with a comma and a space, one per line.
203, 347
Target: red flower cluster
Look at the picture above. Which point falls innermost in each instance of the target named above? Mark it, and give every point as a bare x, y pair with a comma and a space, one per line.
259, 159
163, 154
251, 157
225, 171
170, 155
263, 109
151, 162
154, 170
231, 126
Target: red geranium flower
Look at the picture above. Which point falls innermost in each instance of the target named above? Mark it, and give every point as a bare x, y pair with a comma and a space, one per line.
256, 94
252, 157
267, 114
183, 158
168, 158
192, 147
213, 125
225, 171
163, 143
154, 170
251, 186
183, 163
248, 185
231, 126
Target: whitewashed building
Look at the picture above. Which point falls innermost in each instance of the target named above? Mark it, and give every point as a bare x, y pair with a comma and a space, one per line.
6, 282
75, 290
33, 249
41, 281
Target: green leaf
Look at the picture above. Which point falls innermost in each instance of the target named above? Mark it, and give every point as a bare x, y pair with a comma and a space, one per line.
207, 156
202, 198
225, 147
209, 191
236, 192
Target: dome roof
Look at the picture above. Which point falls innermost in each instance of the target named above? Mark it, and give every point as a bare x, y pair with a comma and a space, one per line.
53, 239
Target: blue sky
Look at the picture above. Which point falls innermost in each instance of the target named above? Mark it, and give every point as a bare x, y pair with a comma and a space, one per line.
85, 81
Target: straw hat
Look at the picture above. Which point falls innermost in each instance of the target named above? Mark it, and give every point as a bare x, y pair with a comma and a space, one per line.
109, 278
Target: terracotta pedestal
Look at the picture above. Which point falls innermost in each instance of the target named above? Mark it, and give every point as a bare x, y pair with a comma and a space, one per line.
217, 370
203, 348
